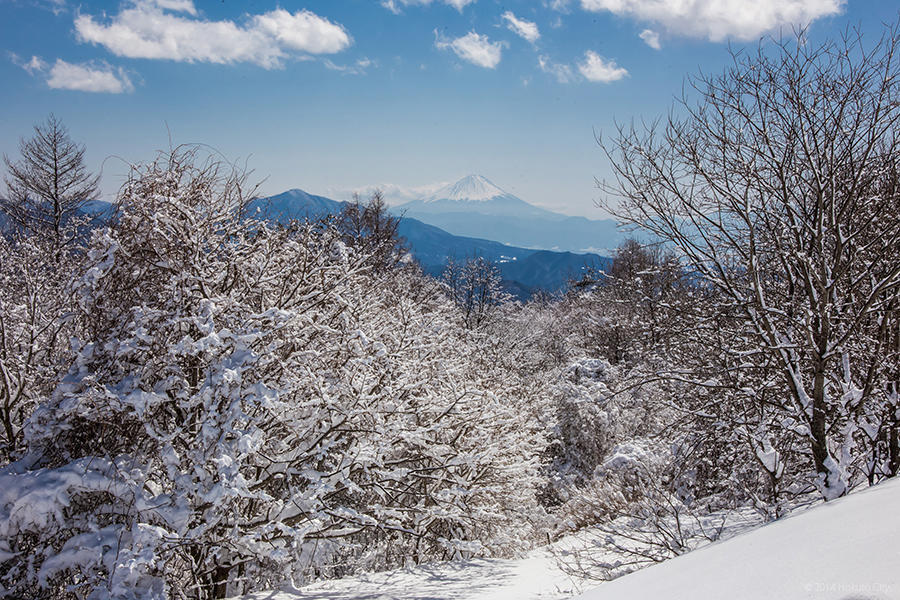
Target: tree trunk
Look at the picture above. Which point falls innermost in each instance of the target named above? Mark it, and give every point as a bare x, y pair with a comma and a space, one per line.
818, 435
220, 582
894, 448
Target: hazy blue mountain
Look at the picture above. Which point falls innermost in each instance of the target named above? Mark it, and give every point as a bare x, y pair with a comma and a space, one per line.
99, 212
556, 267
294, 204
99, 208
476, 207
524, 270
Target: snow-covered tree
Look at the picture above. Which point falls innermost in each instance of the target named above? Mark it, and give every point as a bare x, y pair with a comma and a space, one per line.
476, 287
776, 188
372, 230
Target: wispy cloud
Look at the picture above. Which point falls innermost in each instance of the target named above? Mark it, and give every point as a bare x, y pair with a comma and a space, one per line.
596, 68
176, 5
357, 68
396, 6
558, 5
99, 77
474, 48
651, 38
393, 193
171, 30
57, 7
527, 30
717, 20
34, 65
562, 73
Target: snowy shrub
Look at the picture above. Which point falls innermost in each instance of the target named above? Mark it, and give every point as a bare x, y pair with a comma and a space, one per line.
249, 405
584, 429
640, 517
594, 411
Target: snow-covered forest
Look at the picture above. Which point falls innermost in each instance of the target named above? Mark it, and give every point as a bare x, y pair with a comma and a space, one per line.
198, 403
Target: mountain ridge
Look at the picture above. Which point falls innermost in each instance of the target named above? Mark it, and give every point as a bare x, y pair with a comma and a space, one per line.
524, 270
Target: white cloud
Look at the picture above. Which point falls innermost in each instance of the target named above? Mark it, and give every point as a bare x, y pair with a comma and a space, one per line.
395, 6
84, 77
57, 7
152, 29
596, 68
593, 68
524, 29
35, 64
474, 48
303, 31
88, 77
562, 73
719, 19
651, 38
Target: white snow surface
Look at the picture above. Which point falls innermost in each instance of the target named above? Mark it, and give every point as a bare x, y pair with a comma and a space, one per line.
534, 577
472, 188
846, 549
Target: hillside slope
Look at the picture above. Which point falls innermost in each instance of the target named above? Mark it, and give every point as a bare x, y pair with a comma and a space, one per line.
844, 550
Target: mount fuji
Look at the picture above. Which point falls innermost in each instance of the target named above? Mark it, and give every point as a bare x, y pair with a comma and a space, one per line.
476, 207
475, 193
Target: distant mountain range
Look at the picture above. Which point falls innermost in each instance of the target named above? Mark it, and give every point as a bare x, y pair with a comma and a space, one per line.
476, 207
475, 204
524, 270
98, 211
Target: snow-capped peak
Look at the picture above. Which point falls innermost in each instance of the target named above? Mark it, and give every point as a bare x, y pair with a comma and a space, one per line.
470, 188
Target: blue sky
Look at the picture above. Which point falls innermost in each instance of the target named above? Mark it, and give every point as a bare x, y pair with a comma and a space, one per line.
335, 95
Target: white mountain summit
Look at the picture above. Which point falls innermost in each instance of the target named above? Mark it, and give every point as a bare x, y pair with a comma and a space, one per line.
475, 194
472, 188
